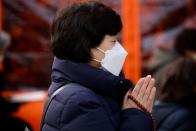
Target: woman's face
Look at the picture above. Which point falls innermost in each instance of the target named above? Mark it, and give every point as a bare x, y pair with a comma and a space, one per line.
107, 44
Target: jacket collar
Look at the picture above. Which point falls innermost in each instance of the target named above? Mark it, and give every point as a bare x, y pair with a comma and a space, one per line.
98, 80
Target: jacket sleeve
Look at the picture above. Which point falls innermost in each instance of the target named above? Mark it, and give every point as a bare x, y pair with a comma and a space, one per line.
135, 120
85, 113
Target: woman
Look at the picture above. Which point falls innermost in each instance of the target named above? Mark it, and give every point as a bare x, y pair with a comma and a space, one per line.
175, 110
88, 56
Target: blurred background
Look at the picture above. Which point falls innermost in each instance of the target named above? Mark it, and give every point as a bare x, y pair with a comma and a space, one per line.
149, 34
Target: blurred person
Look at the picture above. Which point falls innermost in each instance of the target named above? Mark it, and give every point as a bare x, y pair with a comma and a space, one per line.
7, 121
88, 62
184, 45
4, 44
175, 109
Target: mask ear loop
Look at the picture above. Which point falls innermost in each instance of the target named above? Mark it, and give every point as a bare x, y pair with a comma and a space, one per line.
96, 59
100, 50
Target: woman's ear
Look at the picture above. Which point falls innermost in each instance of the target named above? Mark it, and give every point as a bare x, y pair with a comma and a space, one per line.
96, 54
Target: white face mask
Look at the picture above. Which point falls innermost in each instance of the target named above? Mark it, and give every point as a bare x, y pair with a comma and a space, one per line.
114, 59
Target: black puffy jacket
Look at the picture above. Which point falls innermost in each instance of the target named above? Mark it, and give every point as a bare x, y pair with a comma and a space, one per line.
173, 117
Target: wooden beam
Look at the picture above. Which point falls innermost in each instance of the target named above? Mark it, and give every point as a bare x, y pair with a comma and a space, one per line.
131, 39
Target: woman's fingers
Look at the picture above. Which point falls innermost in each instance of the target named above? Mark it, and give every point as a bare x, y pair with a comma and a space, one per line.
144, 93
137, 88
148, 90
151, 98
143, 88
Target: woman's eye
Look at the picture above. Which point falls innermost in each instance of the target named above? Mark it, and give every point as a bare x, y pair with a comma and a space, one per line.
114, 41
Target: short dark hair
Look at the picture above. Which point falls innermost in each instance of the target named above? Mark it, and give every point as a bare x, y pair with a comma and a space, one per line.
80, 27
180, 82
186, 40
